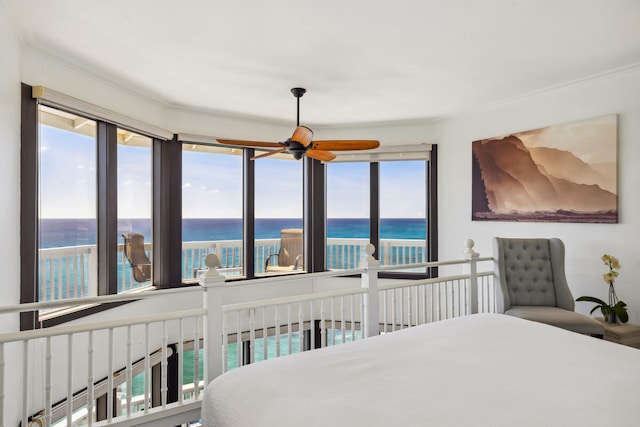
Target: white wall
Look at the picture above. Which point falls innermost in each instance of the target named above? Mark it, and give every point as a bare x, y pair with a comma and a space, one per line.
9, 162
617, 93
10, 193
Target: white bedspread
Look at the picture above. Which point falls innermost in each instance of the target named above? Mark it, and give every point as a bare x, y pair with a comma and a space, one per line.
480, 370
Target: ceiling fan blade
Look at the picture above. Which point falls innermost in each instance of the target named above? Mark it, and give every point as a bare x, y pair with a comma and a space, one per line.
325, 156
303, 135
242, 143
269, 153
345, 145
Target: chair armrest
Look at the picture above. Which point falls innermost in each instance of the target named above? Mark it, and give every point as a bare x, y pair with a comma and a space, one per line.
266, 263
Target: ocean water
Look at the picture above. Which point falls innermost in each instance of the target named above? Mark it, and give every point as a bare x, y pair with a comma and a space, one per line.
73, 232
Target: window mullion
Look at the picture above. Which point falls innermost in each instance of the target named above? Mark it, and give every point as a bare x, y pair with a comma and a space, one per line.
107, 230
167, 213
432, 209
314, 215
374, 206
248, 214
28, 206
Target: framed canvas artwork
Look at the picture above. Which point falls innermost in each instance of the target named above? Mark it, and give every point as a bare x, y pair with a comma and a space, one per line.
562, 173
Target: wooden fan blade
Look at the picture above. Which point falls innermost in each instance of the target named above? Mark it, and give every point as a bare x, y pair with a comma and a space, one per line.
303, 135
242, 143
325, 156
269, 153
345, 145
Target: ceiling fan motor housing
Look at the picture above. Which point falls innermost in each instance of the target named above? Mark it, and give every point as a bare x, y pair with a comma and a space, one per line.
298, 91
296, 149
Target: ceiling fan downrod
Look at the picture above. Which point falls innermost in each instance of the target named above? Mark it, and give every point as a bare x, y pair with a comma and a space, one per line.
298, 92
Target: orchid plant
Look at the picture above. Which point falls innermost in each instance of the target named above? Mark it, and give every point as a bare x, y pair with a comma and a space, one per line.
615, 308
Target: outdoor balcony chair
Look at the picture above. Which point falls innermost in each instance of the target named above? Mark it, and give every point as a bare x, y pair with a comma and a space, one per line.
289, 257
137, 257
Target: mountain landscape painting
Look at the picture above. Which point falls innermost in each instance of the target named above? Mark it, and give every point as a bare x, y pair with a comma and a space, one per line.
562, 173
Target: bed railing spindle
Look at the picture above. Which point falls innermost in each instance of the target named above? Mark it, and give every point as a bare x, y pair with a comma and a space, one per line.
289, 337
312, 325
196, 358
413, 311
353, 318
277, 330
69, 379
239, 346
409, 306
448, 286
147, 368
363, 320
110, 377
25, 379
181, 357
394, 301
300, 328
225, 344
252, 335
343, 329
90, 396
323, 332
47, 382
386, 309
333, 322
129, 372
424, 304
265, 334
164, 364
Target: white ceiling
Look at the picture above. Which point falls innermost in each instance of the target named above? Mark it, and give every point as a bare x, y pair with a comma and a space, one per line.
362, 61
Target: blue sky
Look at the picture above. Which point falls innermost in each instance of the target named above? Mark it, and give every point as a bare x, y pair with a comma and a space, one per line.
212, 184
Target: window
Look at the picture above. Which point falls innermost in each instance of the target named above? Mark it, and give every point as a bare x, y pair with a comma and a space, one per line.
403, 219
67, 218
211, 208
68, 199
135, 197
348, 214
387, 197
278, 216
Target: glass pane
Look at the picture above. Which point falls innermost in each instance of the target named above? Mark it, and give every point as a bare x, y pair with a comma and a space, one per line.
347, 214
211, 209
278, 210
135, 196
67, 255
403, 220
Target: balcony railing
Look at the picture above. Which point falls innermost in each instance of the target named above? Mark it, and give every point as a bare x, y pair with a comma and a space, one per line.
71, 272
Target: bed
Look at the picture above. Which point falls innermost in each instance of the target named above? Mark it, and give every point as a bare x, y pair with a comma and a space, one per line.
478, 370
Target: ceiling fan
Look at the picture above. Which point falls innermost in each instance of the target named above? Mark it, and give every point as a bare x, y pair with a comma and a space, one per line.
301, 142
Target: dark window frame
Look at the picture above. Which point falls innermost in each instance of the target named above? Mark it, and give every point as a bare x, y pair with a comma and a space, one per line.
432, 217
167, 212
165, 195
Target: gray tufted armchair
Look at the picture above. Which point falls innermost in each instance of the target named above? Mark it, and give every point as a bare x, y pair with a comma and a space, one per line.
531, 284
